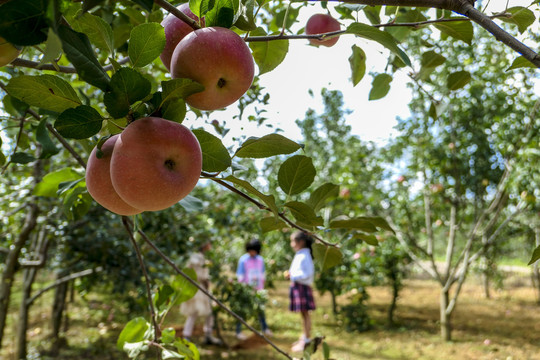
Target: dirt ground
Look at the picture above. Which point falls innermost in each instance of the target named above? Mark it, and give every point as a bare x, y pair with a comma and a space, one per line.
505, 327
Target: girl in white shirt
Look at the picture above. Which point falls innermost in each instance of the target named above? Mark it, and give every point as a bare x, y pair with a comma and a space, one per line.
301, 274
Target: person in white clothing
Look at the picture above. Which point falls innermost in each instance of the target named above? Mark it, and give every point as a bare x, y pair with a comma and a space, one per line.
199, 305
302, 273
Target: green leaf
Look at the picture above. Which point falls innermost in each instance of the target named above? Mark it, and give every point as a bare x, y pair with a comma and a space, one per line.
222, 13
168, 335
326, 256
133, 332
521, 62
321, 194
174, 110
268, 54
296, 174
48, 186
359, 223
378, 222
357, 60
269, 200
47, 92
98, 30
458, 79
461, 30
146, 43
179, 89
53, 48
79, 123
76, 202
48, 148
383, 38
271, 223
246, 20
304, 214
2, 159
216, 158
184, 290
535, 256
188, 349
368, 239
21, 158
432, 59
127, 86
521, 16
14, 106
380, 86
162, 297
191, 204
266, 146
326, 350
200, 7
79, 51
23, 22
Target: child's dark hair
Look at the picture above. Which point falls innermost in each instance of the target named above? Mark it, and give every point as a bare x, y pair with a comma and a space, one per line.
254, 244
306, 238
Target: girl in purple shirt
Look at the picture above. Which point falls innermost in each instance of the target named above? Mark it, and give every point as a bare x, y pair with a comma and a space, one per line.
251, 271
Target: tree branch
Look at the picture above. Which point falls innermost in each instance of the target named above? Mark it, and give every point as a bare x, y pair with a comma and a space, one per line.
173, 10
63, 280
484, 21
62, 69
157, 330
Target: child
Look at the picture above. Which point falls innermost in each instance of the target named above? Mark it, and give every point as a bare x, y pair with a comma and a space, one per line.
200, 304
251, 271
301, 273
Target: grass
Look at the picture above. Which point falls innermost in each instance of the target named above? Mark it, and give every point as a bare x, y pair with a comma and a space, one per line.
504, 327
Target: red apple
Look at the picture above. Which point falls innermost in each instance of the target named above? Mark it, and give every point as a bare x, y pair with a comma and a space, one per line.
98, 181
220, 60
320, 24
175, 30
155, 163
401, 179
345, 193
8, 52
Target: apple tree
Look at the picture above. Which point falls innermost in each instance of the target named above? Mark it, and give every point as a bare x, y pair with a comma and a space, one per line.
89, 71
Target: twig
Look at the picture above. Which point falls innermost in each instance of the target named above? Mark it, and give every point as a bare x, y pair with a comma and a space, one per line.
157, 330
173, 10
206, 292
66, 145
62, 69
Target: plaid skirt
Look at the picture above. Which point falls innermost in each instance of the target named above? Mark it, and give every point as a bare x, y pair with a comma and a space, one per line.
301, 297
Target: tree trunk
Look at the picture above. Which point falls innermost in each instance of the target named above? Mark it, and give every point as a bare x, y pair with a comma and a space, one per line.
10, 267
485, 281
60, 294
393, 304
446, 328
536, 268
29, 277
334, 302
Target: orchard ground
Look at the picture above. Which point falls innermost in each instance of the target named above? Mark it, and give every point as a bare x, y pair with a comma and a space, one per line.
504, 327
